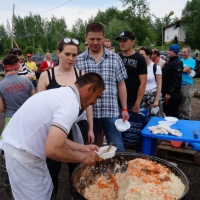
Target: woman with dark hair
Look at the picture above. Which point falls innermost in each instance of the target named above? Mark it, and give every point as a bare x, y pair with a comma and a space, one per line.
60, 76
154, 81
23, 70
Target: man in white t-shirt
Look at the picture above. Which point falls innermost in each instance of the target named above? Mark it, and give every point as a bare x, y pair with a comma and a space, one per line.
39, 129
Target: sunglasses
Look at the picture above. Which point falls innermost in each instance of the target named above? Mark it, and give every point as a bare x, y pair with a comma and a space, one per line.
68, 40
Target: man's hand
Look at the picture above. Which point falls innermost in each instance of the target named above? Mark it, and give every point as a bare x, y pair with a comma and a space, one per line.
136, 108
90, 158
155, 104
167, 97
90, 137
125, 115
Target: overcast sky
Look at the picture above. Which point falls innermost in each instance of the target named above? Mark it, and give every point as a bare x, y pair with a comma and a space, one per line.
71, 10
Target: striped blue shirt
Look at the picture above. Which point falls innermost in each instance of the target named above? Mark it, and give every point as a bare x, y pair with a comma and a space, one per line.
112, 70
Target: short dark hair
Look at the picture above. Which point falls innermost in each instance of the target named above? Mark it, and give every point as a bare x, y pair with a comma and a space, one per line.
91, 78
147, 51
10, 59
15, 51
95, 27
155, 51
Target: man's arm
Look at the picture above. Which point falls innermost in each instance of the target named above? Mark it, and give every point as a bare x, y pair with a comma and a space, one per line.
2, 106
123, 98
140, 93
90, 122
58, 147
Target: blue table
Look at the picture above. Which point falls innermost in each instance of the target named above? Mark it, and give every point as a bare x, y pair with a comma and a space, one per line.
185, 126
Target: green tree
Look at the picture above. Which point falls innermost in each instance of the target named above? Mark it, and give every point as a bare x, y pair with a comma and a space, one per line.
55, 30
190, 19
78, 31
4, 40
175, 40
113, 29
137, 13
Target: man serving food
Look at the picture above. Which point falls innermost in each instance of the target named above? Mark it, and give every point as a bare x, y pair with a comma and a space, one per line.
37, 132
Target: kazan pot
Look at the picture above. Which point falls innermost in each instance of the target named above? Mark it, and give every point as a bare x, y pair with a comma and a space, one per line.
83, 176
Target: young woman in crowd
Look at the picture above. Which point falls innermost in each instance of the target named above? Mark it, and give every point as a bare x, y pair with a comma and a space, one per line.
60, 76
154, 81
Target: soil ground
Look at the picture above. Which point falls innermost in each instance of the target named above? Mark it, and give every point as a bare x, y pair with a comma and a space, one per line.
192, 171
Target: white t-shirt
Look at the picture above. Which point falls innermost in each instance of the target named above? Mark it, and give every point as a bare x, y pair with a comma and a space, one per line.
29, 127
151, 81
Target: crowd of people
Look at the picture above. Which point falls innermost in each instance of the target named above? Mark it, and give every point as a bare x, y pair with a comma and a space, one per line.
78, 101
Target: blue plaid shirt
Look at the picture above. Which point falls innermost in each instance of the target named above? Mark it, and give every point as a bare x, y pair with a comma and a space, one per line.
112, 70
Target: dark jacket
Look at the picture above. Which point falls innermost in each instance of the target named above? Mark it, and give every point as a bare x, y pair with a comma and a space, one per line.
172, 76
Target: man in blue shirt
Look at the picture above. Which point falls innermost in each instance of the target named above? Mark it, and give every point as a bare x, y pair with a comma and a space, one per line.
187, 82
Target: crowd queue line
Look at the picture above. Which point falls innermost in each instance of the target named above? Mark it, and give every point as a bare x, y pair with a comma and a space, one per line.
105, 84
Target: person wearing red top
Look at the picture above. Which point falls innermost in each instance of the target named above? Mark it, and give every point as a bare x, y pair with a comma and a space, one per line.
47, 63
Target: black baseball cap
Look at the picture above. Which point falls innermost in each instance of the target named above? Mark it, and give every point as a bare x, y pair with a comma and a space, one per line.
126, 35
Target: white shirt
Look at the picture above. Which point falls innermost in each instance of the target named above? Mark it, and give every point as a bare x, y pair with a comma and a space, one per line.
151, 81
29, 127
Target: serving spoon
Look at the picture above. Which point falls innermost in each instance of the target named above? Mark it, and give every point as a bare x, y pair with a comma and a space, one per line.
107, 150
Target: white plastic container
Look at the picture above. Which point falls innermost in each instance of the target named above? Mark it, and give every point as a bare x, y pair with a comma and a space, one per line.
165, 123
192, 73
154, 110
172, 120
109, 154
122, 125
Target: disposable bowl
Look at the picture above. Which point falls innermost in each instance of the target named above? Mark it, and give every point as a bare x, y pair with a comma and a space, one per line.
172, 120
176, 143
165, 123
122, 125
108, 154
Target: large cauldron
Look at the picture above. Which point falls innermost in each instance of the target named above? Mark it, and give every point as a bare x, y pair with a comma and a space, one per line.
83, 176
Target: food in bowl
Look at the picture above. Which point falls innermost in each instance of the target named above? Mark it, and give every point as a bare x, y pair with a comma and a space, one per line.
122, 125
143, 179
172, 120
105, 155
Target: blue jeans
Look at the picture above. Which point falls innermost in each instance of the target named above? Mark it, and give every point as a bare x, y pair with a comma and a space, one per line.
110, 131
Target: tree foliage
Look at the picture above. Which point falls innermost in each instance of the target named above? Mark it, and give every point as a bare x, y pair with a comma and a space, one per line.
38, 35
191, 18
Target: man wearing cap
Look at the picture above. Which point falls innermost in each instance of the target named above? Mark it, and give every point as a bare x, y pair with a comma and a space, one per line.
32, 67
172, 78
187, 83
136, 68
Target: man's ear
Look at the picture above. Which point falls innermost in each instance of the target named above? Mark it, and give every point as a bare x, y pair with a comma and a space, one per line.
90, 88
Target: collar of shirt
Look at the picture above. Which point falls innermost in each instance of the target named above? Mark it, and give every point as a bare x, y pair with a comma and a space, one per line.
106, 53
75, 90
